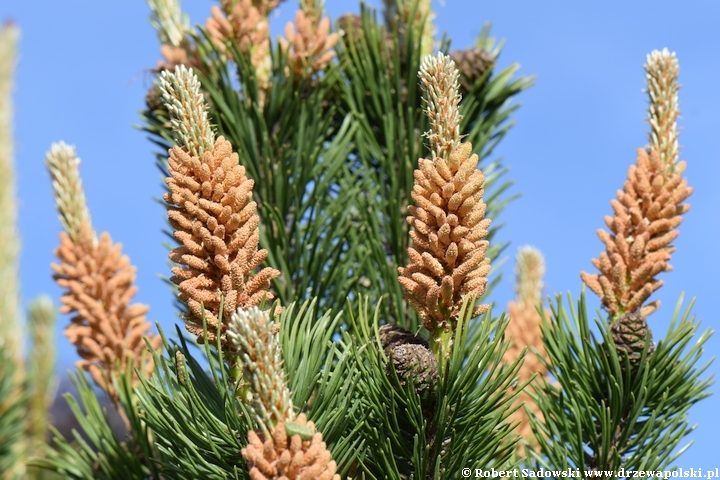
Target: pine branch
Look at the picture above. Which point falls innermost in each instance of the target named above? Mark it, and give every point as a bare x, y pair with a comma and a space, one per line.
382, 95
96, 452
648, 210
197, 422
603, 415
447, 256
322, 376
461, 421
303, 187
258, 128
480, 399
284, 445
214, 219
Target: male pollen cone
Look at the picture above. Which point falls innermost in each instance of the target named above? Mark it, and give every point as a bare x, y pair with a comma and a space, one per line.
447, 257
647, 213
210, 208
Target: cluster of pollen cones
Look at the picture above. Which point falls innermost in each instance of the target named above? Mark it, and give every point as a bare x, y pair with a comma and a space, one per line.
647, 212
285, 456
215, 220
310, 48
447, 257
219, 266
107, 329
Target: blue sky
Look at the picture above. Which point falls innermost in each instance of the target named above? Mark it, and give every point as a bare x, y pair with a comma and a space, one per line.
85, 68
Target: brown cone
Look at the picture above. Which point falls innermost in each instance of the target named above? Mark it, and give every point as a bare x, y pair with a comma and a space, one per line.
411, 357
630, 332
472, 63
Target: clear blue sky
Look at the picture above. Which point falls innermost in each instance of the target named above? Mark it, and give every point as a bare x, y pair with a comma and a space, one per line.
84, 71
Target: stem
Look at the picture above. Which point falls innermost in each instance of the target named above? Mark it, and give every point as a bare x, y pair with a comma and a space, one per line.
442, 343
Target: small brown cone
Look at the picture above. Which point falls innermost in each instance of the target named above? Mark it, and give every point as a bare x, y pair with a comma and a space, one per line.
472, 63
630, 333
413, 361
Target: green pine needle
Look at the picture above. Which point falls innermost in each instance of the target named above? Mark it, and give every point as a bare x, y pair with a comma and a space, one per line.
603, 415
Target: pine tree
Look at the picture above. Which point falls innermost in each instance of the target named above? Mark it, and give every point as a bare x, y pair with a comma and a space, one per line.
333, 204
